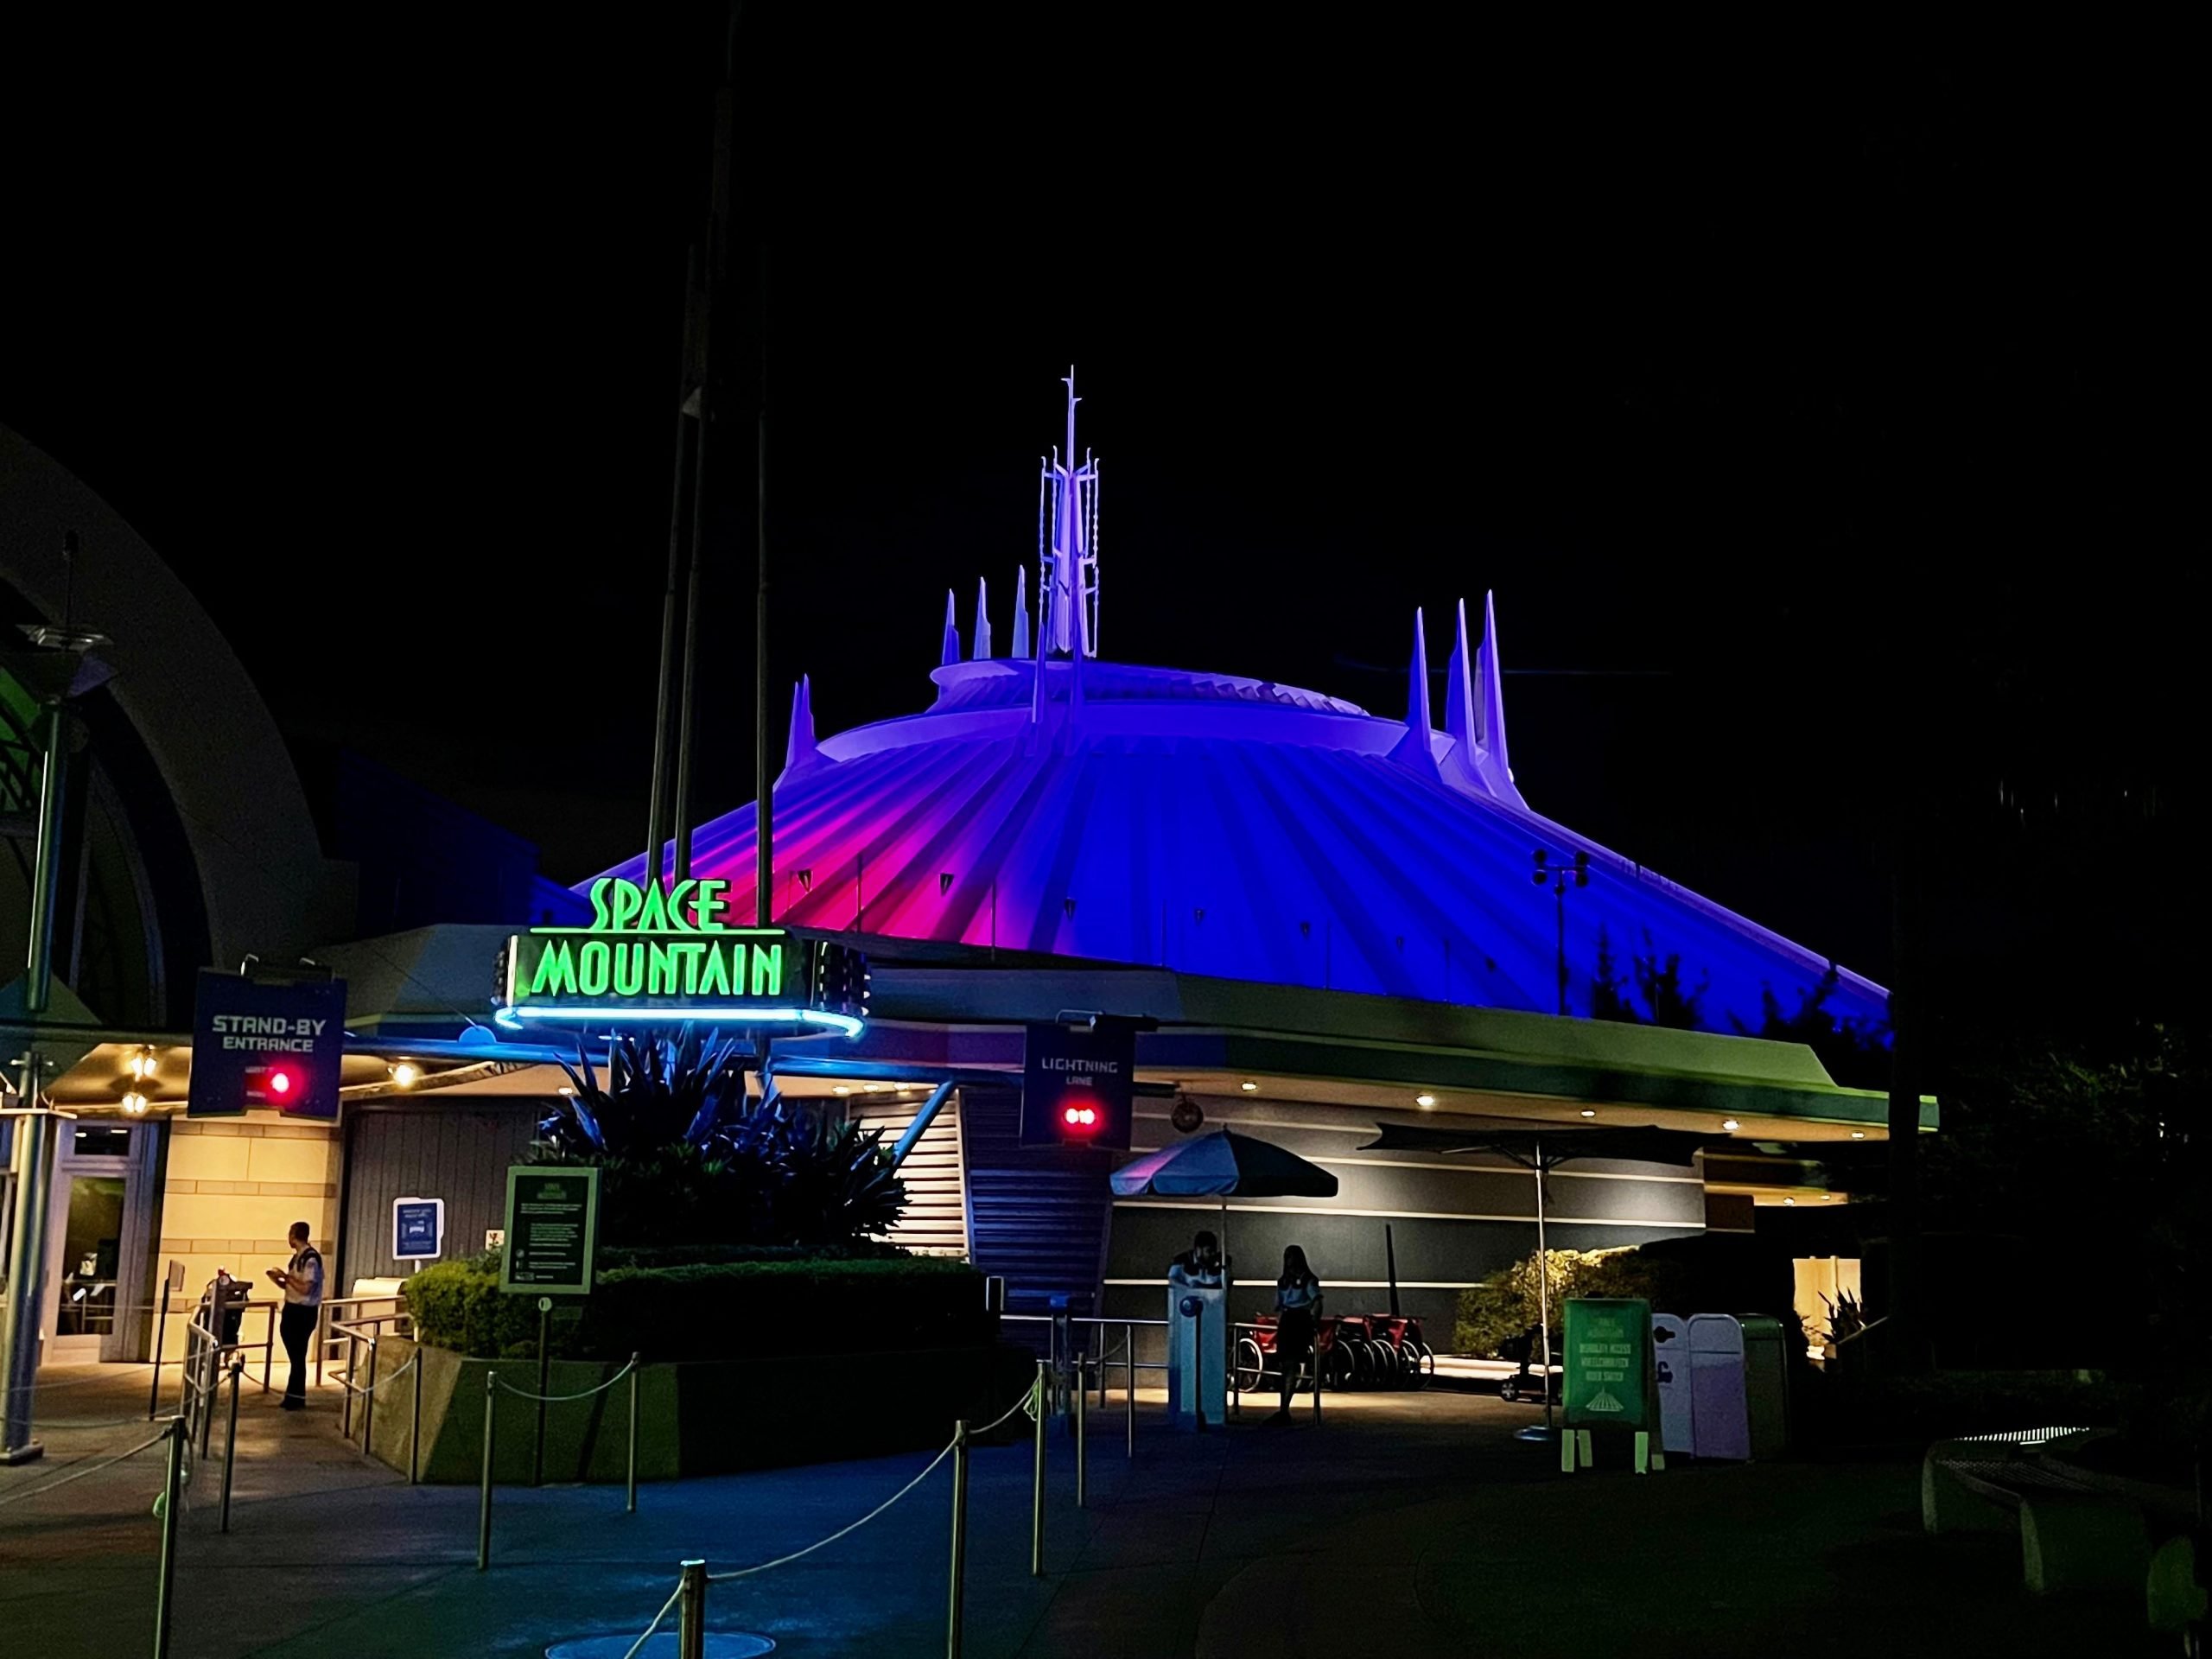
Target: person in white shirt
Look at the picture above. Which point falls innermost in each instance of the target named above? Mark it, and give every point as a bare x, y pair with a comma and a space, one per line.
301, 1280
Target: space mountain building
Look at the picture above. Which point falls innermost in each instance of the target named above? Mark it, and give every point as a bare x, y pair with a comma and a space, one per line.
1051, 801
1330, 921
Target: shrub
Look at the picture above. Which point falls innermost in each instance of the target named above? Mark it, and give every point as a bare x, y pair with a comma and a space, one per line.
772, 1305
1507, 1304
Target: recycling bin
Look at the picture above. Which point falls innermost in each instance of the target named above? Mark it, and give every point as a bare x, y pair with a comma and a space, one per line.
1670, 1367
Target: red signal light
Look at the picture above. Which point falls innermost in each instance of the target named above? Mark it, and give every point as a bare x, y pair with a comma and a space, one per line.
1080, 1118
280, 1083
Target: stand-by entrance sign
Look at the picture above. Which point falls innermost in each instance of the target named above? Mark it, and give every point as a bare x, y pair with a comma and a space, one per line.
418, 1229
1608, 1362
272, 1043
552, 1229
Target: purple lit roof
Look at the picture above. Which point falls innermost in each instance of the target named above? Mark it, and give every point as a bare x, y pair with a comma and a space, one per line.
1222, 826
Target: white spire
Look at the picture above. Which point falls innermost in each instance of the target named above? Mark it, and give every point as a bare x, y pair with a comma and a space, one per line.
982, 653
950, 653
798, 747
1414, 749
1489, 702
1021, 613
1068, 582
1459, 718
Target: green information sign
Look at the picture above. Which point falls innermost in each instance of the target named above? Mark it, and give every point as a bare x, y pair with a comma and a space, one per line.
1608, 1362
552, 1229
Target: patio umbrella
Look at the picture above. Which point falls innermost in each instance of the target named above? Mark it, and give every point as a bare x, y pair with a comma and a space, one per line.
1222, 1164
1543, 1149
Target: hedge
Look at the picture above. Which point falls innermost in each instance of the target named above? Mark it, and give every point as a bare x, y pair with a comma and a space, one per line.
773, 1305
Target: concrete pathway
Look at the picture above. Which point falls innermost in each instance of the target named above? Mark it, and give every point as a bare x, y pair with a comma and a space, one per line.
1401, 1525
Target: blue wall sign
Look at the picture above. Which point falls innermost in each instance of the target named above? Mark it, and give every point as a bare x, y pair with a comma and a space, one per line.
268, 1044
418, 1229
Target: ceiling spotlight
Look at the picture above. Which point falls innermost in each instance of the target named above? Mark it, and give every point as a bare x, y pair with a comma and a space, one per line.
1424, 1100
407, 1074
1858, 1134
569, 1092
142, 1065
1589, 1112
1730, 1124
1790, 1200
839, 1089
1249, 1088
874, 1088
135, 1103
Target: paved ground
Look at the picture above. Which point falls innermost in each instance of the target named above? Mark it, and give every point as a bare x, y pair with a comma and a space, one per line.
1402, 1525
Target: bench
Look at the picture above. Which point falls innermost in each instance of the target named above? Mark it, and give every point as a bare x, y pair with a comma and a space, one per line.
2073, 1533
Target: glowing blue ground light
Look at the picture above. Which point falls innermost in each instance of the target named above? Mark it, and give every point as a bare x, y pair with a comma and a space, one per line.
818, 1020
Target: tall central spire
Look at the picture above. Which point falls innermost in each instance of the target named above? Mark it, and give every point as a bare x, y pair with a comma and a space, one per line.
1068, 573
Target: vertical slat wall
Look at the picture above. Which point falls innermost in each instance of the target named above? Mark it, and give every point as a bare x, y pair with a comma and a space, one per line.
935, 1221
1036, 1215
426, 1150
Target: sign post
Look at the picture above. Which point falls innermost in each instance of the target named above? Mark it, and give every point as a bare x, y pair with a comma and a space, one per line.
418, 1229
1609, 1378
552, 1229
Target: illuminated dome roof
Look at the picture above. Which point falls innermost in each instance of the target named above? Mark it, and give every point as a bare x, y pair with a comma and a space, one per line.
1222, 826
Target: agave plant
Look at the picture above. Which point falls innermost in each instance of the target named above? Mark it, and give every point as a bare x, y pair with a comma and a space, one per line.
661, 1091
689, 1158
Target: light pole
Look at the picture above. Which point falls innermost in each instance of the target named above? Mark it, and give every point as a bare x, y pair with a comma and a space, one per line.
60, 666
1556, 876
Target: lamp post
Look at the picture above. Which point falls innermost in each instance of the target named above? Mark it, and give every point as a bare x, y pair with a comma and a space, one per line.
60, 666
1556, 877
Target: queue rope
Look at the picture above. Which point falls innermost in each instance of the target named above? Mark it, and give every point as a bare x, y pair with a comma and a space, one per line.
556, 1398
1029, 1402
78, 1474
842, 1532
386, 1382
637, 1645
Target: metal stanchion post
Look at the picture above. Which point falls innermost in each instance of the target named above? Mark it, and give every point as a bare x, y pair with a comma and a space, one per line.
691, 1612
231, 1442
321, 1338
172, 1499
483, 1497
1037, 1481
161, 1333
1082, 1445
1131, 1349
369, 1403
415, 1422
633, 1435
545, 1385
269, 1344
352, 1352
211, 1366
959, 1569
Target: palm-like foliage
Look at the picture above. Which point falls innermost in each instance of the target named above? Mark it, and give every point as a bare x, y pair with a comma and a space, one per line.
688, 1159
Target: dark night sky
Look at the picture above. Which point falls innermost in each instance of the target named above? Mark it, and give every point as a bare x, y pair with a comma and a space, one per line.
1806, 400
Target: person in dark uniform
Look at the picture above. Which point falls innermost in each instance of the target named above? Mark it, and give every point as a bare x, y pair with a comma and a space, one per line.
1298, 1306
301, 1280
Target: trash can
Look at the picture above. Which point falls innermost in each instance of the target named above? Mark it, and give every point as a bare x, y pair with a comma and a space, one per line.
1766, 1384
1670, 1367
1739, 1386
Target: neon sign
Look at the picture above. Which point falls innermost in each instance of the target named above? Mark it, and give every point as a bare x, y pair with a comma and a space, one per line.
662, 955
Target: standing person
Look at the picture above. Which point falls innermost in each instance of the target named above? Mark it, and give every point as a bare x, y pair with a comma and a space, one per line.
301, 1280
1202, 1264
1298, 1305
